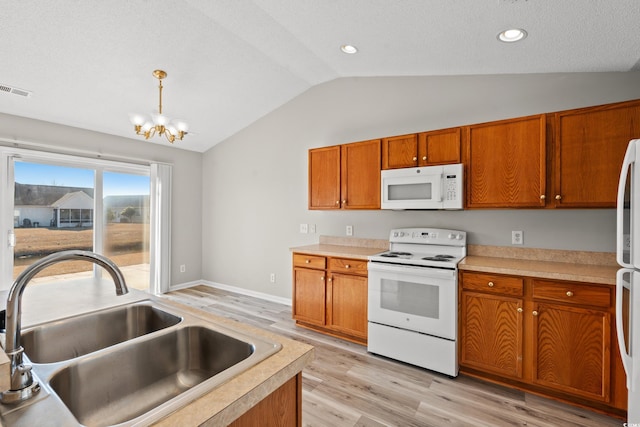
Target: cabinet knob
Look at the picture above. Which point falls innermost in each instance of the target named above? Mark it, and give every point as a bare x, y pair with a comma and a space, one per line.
558, 197
569, 293
307, 261
337, 202
330, 279
344, 201
520, 310
321, 277
415, 158
542, 197
424, 157
490, 284
535, 313
347, 266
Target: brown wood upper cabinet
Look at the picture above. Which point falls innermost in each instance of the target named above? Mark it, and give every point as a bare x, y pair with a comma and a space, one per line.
345, 176
506, 163
427, 148
588, 151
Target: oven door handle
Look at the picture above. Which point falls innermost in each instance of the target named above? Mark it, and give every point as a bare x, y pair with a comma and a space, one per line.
436, 272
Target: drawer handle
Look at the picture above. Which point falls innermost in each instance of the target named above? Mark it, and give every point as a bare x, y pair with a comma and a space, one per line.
347, 266
490, 284
307, 261
519, 309
535, 313
569, 293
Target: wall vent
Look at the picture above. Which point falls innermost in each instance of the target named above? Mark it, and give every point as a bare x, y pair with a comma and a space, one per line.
15, 90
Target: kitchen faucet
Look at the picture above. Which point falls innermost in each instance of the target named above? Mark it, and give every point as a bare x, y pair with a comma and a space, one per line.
23, 386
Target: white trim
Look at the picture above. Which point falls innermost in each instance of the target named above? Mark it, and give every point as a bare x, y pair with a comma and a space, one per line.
185, 285
22, 145
242, 291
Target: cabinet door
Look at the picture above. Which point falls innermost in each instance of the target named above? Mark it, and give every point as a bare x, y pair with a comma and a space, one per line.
439, 147
589, 149
347, 304
491, 333
361, 175
400, 152
506, 163
309, 295
324, 178
572, 350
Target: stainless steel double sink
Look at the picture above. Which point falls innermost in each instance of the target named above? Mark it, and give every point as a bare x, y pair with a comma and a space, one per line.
128, 365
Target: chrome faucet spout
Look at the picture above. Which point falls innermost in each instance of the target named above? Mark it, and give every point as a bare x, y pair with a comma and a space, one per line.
22, 384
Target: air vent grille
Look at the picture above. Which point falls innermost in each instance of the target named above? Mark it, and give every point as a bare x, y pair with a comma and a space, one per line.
15, 90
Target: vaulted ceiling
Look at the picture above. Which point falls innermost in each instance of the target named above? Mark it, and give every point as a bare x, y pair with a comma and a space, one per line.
89, 63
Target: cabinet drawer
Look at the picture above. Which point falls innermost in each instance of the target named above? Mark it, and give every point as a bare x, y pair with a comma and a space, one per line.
350, 266
572, 293
491, 283
309, 261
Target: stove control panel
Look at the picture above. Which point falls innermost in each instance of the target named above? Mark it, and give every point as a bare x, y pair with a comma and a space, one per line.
432, 236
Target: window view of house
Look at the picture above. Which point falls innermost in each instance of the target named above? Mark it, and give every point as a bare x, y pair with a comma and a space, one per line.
54, 211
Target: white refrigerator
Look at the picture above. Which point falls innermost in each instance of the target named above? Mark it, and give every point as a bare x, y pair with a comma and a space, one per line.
628, 277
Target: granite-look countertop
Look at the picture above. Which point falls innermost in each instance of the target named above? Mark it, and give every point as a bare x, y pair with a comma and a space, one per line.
345, 247
578, 266
46, 302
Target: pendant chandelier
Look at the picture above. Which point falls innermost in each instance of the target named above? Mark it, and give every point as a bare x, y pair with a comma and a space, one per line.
159, 124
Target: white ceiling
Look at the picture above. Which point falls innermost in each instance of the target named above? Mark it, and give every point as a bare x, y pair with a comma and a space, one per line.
89, 63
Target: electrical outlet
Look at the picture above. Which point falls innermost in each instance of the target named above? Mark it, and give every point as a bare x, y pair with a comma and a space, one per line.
517, 238
304, 228
272, 277
312, 229
183, 268
349, 230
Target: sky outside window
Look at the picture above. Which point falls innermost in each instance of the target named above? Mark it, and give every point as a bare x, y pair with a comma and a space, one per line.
61, 176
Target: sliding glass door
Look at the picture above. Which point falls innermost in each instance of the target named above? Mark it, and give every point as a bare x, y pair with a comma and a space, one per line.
59, 202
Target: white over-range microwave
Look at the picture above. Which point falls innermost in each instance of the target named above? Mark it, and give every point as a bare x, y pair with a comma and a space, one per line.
428, 187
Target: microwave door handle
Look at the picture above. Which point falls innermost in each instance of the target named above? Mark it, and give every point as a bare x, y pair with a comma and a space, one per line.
626, 357
629, 159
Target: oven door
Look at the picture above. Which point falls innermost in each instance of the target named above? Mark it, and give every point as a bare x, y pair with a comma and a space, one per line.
421, 299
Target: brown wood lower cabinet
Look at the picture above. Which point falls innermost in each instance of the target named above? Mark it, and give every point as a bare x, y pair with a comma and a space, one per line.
554, 338
282, 408
330, 295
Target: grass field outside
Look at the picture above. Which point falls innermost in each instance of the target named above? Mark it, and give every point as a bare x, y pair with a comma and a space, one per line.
125, 245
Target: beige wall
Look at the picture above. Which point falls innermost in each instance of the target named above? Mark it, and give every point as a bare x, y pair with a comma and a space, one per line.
186, 210
255, 183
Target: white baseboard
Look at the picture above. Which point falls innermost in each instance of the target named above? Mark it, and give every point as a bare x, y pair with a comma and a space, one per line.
185, 285
242, 291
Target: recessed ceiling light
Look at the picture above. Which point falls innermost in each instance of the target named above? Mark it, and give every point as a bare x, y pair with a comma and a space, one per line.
350, 49
512, 35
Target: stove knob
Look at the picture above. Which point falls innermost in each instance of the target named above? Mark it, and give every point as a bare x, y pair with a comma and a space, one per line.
459, 237
451, 236
401, 234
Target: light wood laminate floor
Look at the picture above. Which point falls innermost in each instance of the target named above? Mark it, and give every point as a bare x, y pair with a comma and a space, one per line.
346, 386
